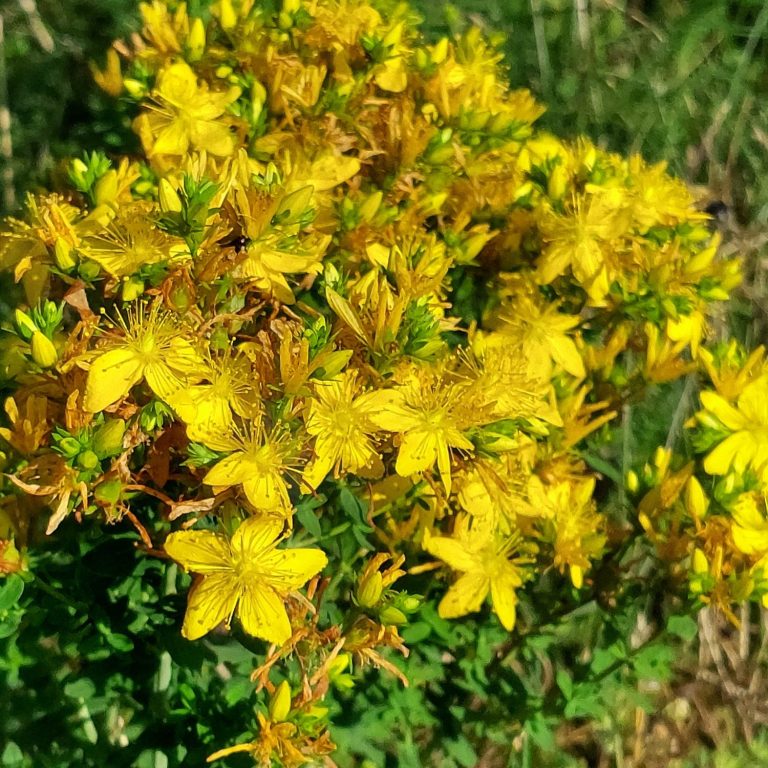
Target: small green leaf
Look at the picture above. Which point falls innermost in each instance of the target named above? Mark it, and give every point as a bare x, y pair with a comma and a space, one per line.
684, 627
11, 591
309, 520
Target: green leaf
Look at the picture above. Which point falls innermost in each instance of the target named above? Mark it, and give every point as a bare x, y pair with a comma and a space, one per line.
684, 627
80, 689
462, 752
12, 755
309, 520
11, 591
565, 683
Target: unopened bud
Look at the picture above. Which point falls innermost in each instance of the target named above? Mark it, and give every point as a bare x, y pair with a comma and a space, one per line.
43, 351
133, 287
632, 481
227, 15
196, 40
170, 202
106, 188
280, 703
369, 590
62, 255
25, 325
699, 562
392, 615
87, 460
108, 440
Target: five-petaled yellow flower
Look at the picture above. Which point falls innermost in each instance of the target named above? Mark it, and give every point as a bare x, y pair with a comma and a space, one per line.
747, 445
186, 116
246, 574
423, 413
339, 417
483, 560
154, 348
259, 462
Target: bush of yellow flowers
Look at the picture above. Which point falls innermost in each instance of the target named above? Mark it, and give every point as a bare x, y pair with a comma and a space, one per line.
309, 407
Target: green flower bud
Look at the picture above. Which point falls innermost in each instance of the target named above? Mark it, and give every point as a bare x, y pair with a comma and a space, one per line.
25, 325
87, 460
88, 270
133, 287
108, 492
392, 615
69, 447
108, 440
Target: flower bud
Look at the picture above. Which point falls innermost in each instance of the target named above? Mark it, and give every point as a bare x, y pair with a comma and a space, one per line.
88, 270
369, 590
133, 287
339, 665
280, 703
227, 15
105, 190
43, 351
108, 440
632, 481
392, 615
108, 492
196, 40
87, 460
25, 325
62, 255
170, 202
136, 89
69, 447
699, 562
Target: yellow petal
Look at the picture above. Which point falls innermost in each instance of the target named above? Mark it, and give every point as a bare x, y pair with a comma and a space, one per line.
111, 377
266, 490
451, 551
255, 535
289, 569
723, 410
262, 614
418, 452
565, 352
171, 140
231, 470
199, 551
504, 597
465, 596
210, 601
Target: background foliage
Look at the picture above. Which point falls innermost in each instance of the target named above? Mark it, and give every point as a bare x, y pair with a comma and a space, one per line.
674, 80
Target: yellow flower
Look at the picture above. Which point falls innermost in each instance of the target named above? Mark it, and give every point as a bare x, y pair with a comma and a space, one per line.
258, 463
246, 573
483, 560
582, 240
421, 412
153, 348
747, 445
186, 116
542, 329
570, 522
339, 417
749, 527
131, 242
207, 409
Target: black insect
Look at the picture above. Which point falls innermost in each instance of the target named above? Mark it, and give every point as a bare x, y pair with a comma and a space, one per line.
237, 241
